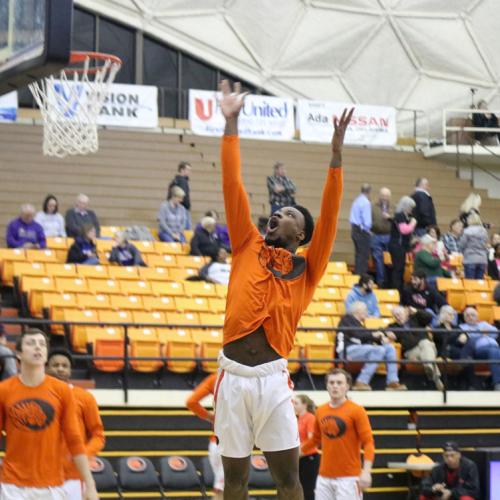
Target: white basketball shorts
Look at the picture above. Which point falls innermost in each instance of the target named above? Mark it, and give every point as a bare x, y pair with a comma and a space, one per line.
215, 459
253, 405
73, 489
13, 492
340, 488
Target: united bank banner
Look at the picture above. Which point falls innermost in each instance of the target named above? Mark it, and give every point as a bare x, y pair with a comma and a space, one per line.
8, 107
262, 117
370, 125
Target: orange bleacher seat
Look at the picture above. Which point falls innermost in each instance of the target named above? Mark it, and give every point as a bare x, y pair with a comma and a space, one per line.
211, 319
149, 317
59, 243
332, 280
217, 305
90, 301
199, 289
486, 312
321, 308
391, 296
344, 292
7, 257
191, 261
337, 268
295, 353
145, 247
78, 333
109, 347
104, 286
496, 313
154, 273
221, 291
104, 245
154, 260
145, 348
328, 294
340, 308
132, 287
127, 303
315, 322
386, 310
445, 284
456, 259
95, 333
378, 322
198, 304
34, 286
476, 298
28, 269
387, 259
76, 285
110, 317
49, 299
123, 272
350, 280
493, 284
178, 343
169, 248
58, 312
142, 333
210, 343
98, 271
41, 255
61, 270
317, 345
476, 285
168, 288
188, 234
456, 299
175, 318
182, 273
158, 303
110, 231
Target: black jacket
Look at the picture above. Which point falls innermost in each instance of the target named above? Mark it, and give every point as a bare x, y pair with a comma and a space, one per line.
409, 338
205, 243
480, 120
183, 183
81, 250
75, 221
126, 256
466, 485
422, 299
493, 270
424, 211
496, 294
359, 335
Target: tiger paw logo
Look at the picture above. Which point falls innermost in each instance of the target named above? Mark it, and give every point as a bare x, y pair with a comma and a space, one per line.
333, 427
32, 414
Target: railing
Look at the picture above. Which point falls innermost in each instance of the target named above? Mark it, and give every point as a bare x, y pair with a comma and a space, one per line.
44, 325
459, 128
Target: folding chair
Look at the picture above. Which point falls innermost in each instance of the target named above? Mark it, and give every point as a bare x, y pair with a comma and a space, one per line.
317, 345
105, 345
138, 474
104, 475
178, 343
179, 473
260, 476
210, 344
146, 349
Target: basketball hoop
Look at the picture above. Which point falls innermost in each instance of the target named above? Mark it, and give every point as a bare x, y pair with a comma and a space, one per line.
71, 101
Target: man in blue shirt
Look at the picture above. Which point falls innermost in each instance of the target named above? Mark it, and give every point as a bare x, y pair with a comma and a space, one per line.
24, 232
361, 225
363, 292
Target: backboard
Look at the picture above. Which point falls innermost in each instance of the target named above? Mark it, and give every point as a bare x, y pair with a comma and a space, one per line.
35, 40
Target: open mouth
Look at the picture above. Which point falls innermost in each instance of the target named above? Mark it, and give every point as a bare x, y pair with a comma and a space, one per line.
272, 225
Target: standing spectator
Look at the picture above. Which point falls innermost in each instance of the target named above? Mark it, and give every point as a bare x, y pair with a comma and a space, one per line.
402, 228
218, 269
424, 211
363, 292
125, 253
494, 264
342, 428
427, 263
79, 216
182, 180
471, 205
24, 232
205, 240
50, 218
452, 238
360, 344
83, 250
485, 120
220, 229
173, 217
455, 479
382, 213
361, 225
474, 246
281, 189
309, 461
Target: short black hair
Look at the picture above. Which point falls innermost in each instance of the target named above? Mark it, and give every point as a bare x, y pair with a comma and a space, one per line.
60, 351
364, 279
308, 224
26, 333
419, 274
46, 203
183, 165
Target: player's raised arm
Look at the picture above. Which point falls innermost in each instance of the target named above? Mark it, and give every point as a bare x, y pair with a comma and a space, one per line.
238, 217
326, 226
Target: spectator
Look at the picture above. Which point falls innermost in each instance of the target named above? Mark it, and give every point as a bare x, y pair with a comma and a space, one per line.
363, 292
173, 217
182, 180
457, 478
50, 218
474, 246
360, 344
417, 345
24, 232
217, 270
281, 188
424, 211
79, 216
471, 205
419, 295
220, 229
426, 263
8, 363
494, 264
452, 237
496, 294
402, 228
205, 240
361, 225
440, 250
83, 250
485, 120
481, 342
382, 213
125, 253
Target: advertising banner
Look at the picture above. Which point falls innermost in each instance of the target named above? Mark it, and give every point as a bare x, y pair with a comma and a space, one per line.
8, 107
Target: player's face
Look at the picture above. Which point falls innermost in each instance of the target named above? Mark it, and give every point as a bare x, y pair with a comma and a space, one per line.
59, 367
299, 406
337, 386
285, 227
34, 350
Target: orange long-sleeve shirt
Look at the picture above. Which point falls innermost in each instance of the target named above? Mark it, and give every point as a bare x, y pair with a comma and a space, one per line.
90, 427
202, 390
342, 432
269, 286
37, 421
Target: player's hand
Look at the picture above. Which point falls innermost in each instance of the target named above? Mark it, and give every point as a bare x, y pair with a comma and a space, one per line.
340, 127
365, 480
231, 102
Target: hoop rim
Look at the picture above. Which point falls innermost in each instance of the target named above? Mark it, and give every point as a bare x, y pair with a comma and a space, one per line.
78, 56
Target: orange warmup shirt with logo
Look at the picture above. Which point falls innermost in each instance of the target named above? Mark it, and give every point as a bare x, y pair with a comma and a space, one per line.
270, 287
342, 432
306, 426
37, 421
90, 427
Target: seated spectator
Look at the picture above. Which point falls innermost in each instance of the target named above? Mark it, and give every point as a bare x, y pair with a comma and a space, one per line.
471, 205
360, 344
79, 216
440, 250
220, 229
452, 237
485, 120
474, 246
181, 180
218, 269
125, 253
50, 218
419, 295
481, 342
24, 232
496, 294
205, 240
426, 263
83, 250
494, 264
417, 345
363, 292
8, 363
456, 478
173, 217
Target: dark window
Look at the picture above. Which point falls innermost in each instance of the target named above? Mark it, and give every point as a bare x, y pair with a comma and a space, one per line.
83, 31
120, 41
197, 75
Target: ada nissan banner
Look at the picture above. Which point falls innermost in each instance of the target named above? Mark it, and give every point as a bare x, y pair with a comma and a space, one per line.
262, 117
370, 125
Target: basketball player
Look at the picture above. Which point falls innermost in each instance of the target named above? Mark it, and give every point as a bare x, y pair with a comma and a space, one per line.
36, 412
90, 425
204, 389
342, 429
269, 289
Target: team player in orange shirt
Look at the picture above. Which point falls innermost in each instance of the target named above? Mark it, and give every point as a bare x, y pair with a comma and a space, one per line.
269, 288
59, 365
204, 389
342, 429
36, 412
